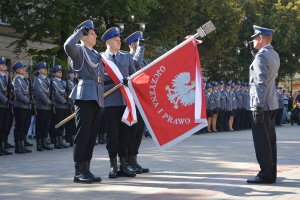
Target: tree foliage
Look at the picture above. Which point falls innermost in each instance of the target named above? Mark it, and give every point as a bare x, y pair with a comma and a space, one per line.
168, 21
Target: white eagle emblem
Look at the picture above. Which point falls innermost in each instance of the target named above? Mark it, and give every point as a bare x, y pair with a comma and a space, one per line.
183, 90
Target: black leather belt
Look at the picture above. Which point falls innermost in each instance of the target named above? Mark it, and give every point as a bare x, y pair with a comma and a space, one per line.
108, 82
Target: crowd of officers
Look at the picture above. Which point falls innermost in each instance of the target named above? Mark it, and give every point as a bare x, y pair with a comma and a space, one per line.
23, 96
228, 106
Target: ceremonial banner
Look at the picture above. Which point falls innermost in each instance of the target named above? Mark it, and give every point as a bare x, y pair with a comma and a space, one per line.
169, 95
129, 117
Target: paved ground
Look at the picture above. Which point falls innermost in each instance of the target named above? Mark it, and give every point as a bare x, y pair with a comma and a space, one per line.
210, 166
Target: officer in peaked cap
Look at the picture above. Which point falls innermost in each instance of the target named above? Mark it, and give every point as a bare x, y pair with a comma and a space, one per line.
41, 86
221, 124
228, 105
4, 107
22, 105
210, 106
217, 101
111, 33
280, 98
258, 30
239, 104
263, 103
61, 108
136, 45
115, 106
87, 96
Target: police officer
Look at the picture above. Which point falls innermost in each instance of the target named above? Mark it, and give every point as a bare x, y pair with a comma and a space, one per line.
118, 133
4, 107
87, 96
61, 107
263, 103
221, 124
41, 86
280, 99
228, 105
210, 106
216, 95
239, 104
136, 45
70, 127
22, 106
233, 106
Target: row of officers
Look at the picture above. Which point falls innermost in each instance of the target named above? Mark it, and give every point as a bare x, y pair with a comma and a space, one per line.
46, 98
228, 106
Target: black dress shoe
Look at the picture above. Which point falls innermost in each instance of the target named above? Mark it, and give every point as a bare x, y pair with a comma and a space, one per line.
258, 180
93, 177
27, 144
5, 152
8, 145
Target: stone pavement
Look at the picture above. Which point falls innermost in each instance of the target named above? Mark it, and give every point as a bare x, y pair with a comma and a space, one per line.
209, 166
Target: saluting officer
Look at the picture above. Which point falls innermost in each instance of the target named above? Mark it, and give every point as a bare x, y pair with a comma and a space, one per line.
22, 105
4, 107
88, 97
263, 103
136, 45
118, 133
41, 86
61, 107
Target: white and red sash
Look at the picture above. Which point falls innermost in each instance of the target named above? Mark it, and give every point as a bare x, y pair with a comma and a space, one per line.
129, 116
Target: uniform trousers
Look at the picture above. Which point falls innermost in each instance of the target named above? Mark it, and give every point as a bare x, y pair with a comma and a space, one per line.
237, 118
60, 114
43, 123
22, 123
88, 117
70, 127
136, 135
264, 138
6, 120
118, 133
220, 120
3, 123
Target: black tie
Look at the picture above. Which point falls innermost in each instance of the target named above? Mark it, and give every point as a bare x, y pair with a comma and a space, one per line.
114, 58
25, 80
46, 80
5, 79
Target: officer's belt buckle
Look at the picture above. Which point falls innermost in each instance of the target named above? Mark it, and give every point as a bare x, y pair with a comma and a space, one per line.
99, 80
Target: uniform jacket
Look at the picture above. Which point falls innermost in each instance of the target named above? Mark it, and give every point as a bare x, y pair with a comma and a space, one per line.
233, 100
210, 101
88, 64
41, 89
126, 65
216, 95
280, 98
263, 72
60, 94
3, 92
228, 97
239, 98
21, 91
222, 99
